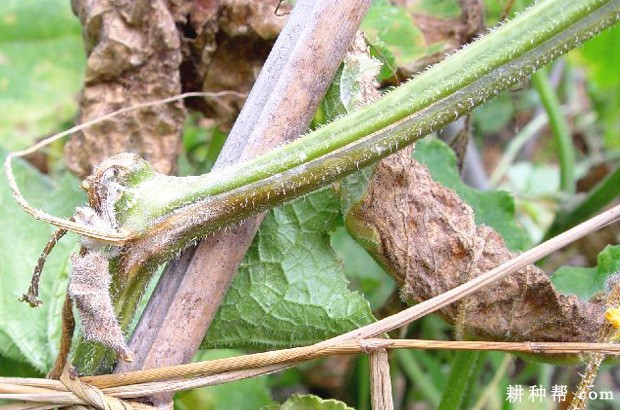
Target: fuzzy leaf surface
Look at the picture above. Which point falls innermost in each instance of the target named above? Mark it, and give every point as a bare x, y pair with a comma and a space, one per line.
290, 288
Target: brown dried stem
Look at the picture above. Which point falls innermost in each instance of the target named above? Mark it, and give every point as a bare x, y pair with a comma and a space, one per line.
66, 335
137, 384
306, 353
279, 108
380, 381
32, 296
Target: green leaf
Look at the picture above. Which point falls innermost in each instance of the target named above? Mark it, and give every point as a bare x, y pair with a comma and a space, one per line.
343, 96
290, 288
41, 69
586, 282
346, 94
308, 402
597, 198
31, 334
332, 106
236, 395
351, 85
12, 368
493, 208
395, 38
602, 67
353, 188
491, 117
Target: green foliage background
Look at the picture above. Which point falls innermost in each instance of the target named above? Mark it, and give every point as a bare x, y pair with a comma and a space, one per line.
304, 278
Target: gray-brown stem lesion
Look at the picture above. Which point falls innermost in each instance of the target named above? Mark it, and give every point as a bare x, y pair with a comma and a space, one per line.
276, 111
90, 277
32, 296
89, 288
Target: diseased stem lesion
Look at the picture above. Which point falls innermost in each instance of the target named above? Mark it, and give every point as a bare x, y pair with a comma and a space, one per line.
66, 335
32, 296
168, 224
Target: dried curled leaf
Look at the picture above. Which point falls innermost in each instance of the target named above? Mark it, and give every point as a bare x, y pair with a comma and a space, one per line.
134, 54
426, 237
89, 287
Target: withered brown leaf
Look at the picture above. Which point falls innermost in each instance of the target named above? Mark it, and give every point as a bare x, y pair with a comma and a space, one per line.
134, 54
426, 237
225, 44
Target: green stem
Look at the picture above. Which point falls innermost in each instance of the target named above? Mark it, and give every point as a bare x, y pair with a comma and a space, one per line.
542, 27
460, 380
168, 213
417, 376
598, 197
210, 202
560, 129
363, 383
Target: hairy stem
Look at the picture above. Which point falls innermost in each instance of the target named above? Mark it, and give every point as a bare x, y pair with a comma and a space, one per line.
429, 102
460, 380
467, 78
279, 108
167, 214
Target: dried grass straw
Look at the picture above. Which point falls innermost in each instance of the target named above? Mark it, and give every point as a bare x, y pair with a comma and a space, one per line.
170, 379
117, 238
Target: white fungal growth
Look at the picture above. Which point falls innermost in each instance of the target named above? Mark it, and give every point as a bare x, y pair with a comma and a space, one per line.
89, 287
87, 216
89, 282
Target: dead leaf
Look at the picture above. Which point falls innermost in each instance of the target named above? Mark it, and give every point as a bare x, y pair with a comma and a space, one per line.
134, 56
426, 237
